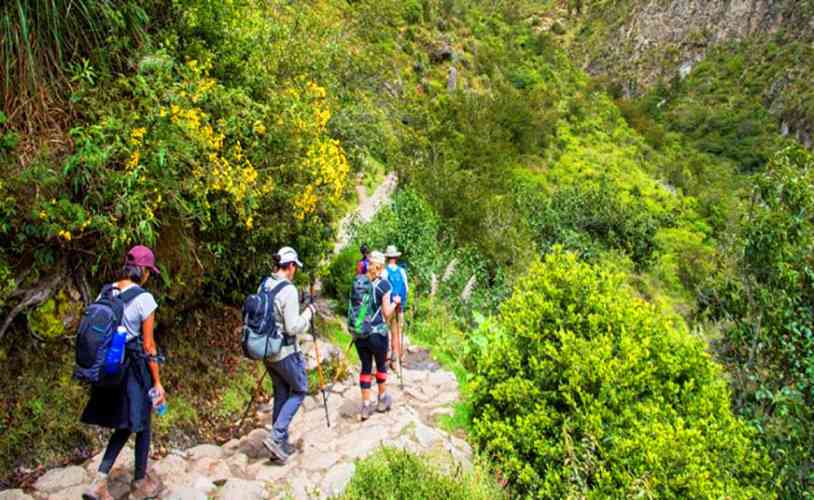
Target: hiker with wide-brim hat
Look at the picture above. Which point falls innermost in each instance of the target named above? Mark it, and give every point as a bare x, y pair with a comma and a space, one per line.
127, 407
287, 367
397, 277
370, 306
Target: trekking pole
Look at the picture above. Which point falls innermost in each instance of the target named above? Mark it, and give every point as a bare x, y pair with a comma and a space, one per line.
401, 351
319, 364
254, 396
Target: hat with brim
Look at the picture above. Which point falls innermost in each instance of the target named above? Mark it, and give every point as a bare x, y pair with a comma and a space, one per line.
288, 255
392, 252
142, 256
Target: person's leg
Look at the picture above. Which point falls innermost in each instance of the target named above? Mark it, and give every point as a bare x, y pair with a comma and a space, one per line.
281, 391
142, 453
366, 375
292, 371
114, 446
395, 347
380, 354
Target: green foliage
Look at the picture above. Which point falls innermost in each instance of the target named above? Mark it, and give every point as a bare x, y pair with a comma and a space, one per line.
768, 298
399, 474
585, 390
340, 272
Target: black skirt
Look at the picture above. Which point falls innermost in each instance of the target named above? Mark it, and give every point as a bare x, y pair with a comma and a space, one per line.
127, 406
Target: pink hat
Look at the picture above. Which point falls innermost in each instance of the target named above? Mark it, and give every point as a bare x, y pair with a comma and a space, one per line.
142, 256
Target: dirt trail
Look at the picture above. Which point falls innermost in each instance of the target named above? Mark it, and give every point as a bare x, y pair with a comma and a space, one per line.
368, 206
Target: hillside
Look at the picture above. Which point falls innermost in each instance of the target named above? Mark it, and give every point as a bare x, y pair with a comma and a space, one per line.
611, 199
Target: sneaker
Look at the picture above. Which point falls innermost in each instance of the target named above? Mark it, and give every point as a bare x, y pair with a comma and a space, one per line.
367, 411
277, 449
97, 490
384, 404
148, 487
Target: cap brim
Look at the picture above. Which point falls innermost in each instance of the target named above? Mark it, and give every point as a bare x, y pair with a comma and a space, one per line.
154, 269
299, 264
392, 255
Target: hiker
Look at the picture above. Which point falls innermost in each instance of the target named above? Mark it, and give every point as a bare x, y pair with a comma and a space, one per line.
370, 307
126, 407
397, 277
287, 367
361, 266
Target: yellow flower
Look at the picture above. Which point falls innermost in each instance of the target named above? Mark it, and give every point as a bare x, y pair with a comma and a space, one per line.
65, 235
249, 223
259, 128
43, 215
137, 134
135, 157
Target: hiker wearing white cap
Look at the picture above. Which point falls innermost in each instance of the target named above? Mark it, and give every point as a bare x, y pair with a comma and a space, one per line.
286, 368
397, 277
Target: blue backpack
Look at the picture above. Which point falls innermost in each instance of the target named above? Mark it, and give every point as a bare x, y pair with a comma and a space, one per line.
95, 337
261, 338
399, 287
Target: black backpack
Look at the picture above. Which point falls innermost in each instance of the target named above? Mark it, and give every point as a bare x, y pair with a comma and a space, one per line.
363, 309
95, 335
260, 336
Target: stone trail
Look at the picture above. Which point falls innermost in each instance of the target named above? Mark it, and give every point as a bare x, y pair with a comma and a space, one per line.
241, 470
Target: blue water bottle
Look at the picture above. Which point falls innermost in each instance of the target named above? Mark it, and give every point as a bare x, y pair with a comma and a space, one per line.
115, 354
160, 409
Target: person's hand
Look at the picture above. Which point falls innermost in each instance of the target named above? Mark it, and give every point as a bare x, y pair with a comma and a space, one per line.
161, 395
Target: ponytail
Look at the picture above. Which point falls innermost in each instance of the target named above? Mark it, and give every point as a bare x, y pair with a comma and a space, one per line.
276, 258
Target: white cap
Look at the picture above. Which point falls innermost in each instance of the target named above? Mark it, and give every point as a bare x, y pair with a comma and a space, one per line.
375, 257
288, 254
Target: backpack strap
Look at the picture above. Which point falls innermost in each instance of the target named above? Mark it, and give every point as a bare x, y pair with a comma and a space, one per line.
131, 293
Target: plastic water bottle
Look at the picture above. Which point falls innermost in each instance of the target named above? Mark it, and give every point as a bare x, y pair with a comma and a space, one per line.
115, 354
160, 409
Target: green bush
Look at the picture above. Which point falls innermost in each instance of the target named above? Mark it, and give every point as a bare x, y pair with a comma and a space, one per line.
392, 474
339, 276
584, 390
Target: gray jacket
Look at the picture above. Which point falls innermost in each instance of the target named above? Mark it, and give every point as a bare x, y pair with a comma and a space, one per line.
287, 315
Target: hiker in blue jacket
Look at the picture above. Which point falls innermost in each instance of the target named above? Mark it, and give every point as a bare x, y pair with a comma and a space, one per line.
397, 277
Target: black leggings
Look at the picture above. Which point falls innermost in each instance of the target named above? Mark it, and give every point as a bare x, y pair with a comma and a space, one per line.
373, 347
117, 442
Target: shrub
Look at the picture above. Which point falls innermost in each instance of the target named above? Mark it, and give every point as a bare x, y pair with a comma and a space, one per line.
398, 474
340, 272
585, 390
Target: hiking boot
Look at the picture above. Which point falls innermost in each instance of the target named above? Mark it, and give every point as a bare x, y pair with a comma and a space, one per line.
384, 404
148, 487
97, 490
277, 449
367, 411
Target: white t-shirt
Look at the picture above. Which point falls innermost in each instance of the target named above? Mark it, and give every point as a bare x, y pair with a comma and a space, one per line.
136, 311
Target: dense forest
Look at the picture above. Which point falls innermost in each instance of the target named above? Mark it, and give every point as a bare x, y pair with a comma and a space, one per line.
611, 235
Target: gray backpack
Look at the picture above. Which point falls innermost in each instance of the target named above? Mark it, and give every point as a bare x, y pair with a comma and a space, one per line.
261, 338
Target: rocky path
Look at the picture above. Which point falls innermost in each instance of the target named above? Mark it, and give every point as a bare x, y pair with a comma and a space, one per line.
325, 462
368, 206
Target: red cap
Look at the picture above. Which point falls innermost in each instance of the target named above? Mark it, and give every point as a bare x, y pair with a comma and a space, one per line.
142, 256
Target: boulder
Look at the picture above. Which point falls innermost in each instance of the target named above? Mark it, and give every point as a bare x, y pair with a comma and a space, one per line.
239, 489
169, 466
204, 451
212, 468
337, 479
237, 464
60, 479
320, 462
269, 471
191, 480
426, 436
71, 493
252, 444
15, 495
183, 493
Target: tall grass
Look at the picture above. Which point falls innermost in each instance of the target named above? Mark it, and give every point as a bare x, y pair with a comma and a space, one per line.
41, 38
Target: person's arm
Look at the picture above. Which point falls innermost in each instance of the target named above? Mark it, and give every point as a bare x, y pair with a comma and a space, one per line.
148, 336
294, 322
389, 306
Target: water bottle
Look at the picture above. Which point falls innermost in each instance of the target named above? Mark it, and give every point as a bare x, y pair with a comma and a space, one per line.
115, 354
160, 409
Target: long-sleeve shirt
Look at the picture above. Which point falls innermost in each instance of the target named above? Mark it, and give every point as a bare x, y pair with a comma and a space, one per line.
287, 315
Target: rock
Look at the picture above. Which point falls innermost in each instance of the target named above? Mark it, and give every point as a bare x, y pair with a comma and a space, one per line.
124, 462
71, 493
452, 79
417, 394
212, 468
415, 377
337, 479
231, 446
442, 411
191, 480
269, 471
309, 403
252, 444
59, 479
362, 441
426, 436
204, 451
444, 398
321, 462
442, 379
237, 464
350, 408
15, 495
239, 489
169, 466
184, 493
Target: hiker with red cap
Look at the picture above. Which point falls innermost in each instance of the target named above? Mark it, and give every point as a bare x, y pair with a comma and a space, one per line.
125, 404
